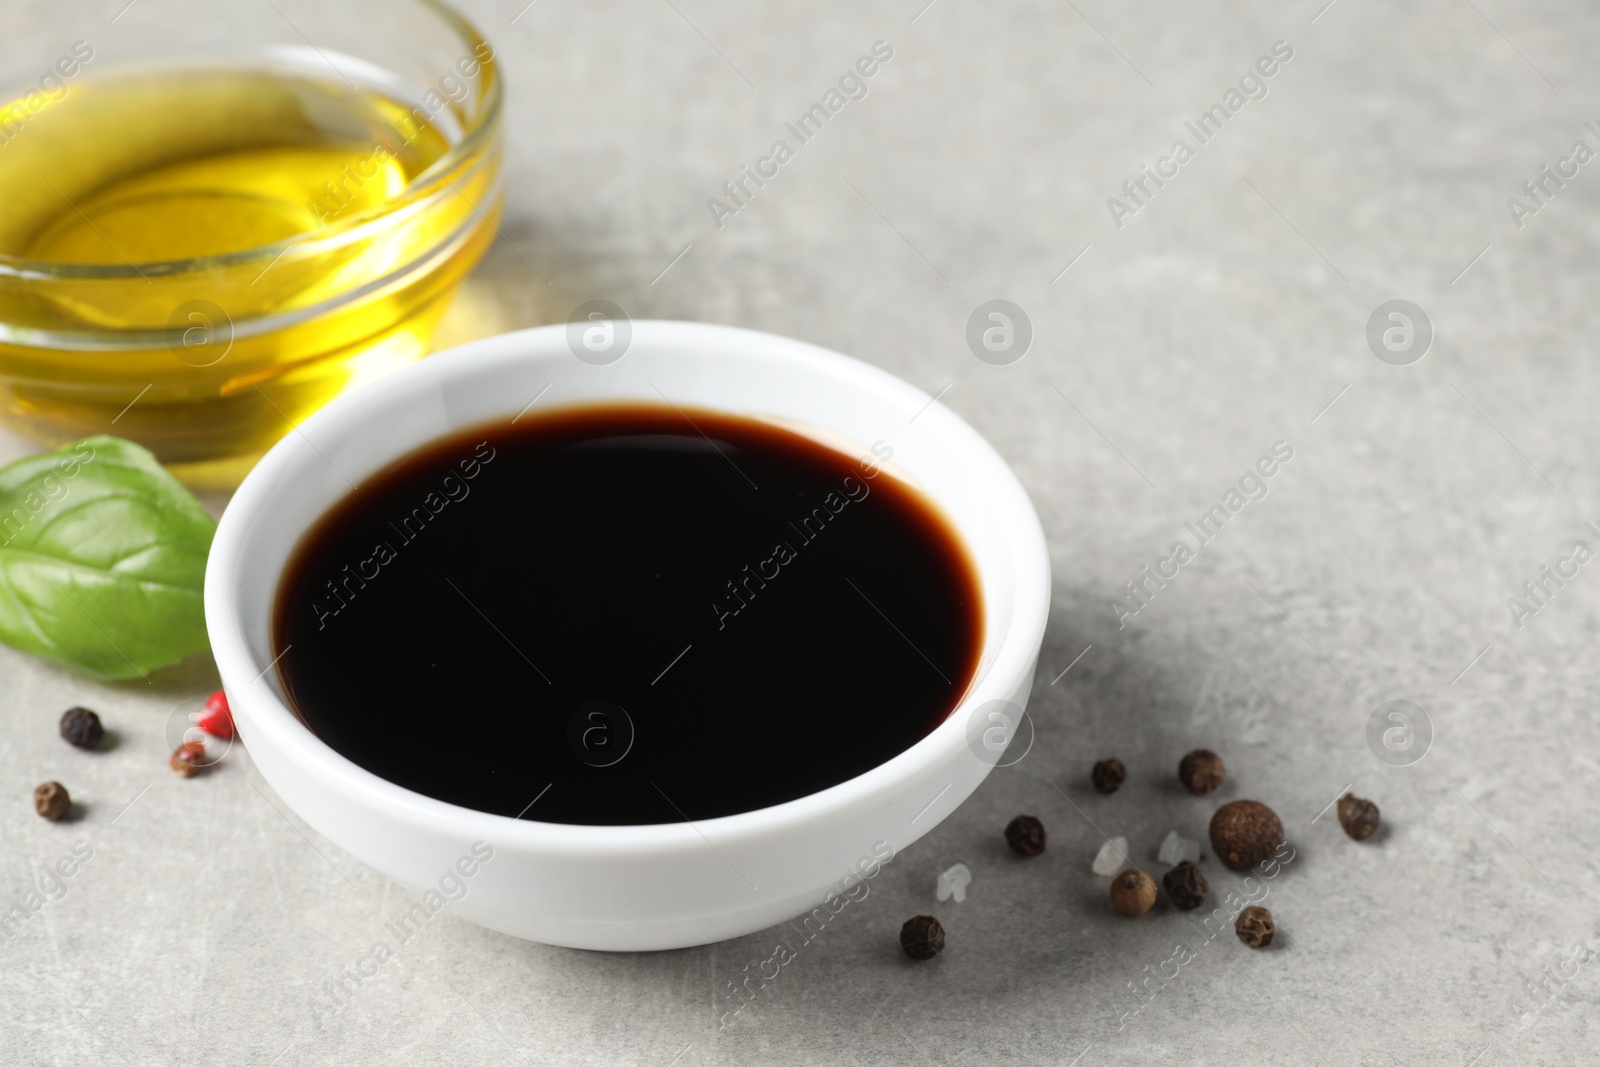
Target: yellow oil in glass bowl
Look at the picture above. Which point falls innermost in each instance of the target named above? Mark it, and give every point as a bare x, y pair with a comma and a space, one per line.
197, 258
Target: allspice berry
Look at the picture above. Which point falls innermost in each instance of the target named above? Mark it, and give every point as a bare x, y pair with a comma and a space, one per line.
1108, 775
1201, 771
1186, 886
1025, 834
52, 801
1358, 817
1255, 927
922, 937
188, 759
1244, 833
81, 728
1133, 892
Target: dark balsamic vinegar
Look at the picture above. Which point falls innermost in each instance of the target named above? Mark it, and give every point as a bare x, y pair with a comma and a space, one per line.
627, 614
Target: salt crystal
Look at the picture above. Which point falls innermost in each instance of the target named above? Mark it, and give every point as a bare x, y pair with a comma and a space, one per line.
1112, 857
954, 882
1175, 849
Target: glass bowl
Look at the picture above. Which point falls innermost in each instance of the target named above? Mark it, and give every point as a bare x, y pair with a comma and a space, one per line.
278, 292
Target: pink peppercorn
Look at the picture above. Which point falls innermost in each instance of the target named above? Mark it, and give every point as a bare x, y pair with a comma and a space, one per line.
215, 718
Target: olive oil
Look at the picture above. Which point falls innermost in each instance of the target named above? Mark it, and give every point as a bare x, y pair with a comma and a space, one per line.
198, 258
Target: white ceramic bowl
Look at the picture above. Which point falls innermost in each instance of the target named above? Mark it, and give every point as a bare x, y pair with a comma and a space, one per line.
628, 887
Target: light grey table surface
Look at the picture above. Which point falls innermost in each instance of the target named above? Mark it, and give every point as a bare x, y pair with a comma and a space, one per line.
1227, 313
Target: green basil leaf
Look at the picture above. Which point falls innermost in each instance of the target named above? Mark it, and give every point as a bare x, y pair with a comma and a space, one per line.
102, 559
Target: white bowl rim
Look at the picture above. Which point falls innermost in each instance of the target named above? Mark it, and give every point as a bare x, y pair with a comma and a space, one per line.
265, 712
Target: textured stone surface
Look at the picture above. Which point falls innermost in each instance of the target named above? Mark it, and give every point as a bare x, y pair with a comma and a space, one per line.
1225, 316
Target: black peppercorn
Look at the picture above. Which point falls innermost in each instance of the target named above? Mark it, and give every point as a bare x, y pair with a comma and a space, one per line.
1025, 834
81, 727
1358, 817
1186, 886
52, 801
1255, 927
1201, 771
922, 937
1108, 775
1244, 833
